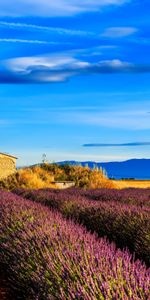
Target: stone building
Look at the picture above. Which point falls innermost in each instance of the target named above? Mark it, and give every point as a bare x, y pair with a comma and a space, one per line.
63, 184
7, 165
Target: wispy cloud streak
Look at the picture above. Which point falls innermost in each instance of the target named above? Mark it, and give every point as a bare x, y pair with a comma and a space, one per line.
56, 30
133, 144
53, 8
25, 41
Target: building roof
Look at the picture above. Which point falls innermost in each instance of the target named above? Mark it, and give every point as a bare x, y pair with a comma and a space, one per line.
6, 154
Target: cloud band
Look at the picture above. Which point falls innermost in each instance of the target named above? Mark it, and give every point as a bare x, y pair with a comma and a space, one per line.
58, 69
134, 144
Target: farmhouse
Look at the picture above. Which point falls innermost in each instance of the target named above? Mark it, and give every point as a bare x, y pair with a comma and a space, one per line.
7, 165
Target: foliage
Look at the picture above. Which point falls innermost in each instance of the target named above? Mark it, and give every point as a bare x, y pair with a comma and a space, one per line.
48, 257
44, 175
83, 177
34, 177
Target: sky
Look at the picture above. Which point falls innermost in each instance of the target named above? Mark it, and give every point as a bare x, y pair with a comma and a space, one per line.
74, 79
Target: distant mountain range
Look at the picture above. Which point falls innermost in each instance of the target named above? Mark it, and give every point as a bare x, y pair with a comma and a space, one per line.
133, 168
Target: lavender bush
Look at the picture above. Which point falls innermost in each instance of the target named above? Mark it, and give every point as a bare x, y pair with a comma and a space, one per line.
49, 257
139, 197
133, 196
125, 224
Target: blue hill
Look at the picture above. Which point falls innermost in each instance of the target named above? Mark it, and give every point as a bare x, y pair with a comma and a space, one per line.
133, 168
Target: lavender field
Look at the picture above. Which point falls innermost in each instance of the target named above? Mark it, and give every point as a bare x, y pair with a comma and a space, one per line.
121, 216
48, 257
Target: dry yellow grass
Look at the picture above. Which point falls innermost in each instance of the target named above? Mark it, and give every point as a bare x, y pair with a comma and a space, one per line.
35, 178
122, 184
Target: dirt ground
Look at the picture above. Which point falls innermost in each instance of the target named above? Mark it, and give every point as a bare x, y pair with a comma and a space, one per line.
121, 184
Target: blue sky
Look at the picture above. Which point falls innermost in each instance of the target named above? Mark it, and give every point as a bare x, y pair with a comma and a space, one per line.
75, 73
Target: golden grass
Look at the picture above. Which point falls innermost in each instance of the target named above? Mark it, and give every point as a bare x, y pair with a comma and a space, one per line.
122, 184
35, 178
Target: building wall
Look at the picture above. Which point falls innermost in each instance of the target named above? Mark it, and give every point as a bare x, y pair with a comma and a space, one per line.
64, 185
7, 166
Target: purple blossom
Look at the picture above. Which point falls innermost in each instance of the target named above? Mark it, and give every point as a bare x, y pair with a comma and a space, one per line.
118, 215
49, 257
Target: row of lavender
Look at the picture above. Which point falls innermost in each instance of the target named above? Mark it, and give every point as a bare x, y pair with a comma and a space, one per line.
126, 225
49, 257
139, 197
133, 196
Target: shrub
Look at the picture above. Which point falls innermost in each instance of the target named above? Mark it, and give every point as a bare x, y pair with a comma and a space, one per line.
34, 178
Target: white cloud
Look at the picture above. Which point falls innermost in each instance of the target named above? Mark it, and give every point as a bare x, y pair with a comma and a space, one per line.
115, 64
59, 68
53, 8
124, 118
51, 62
56, 30
45, 69
118, 32
24, 41
135, 120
